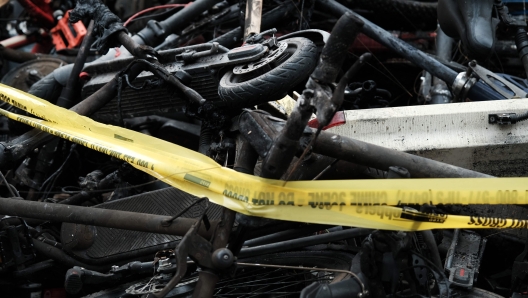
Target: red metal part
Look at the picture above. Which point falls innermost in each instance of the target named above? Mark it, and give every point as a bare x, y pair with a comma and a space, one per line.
43, 15
66, 35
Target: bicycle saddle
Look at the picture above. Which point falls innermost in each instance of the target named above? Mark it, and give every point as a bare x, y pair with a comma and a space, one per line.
471, 22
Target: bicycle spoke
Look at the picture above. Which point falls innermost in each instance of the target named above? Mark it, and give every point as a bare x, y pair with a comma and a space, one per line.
284, 284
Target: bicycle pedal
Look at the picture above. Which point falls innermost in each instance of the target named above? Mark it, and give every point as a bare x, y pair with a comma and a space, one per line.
67, 35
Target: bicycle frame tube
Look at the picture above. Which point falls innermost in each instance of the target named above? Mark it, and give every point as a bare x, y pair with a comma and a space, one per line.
19, 147
479, 91
265, 130
100, 217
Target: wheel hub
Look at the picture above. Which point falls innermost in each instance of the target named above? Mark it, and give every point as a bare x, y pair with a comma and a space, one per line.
270, 57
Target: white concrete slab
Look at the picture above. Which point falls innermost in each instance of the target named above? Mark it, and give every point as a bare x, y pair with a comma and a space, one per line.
457, 134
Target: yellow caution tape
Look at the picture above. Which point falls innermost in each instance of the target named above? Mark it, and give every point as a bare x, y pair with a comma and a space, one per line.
359, 203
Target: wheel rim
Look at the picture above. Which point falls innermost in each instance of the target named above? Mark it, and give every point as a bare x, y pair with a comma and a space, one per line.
246, 72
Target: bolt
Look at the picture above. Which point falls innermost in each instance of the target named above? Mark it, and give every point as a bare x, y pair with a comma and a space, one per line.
308, 92
225, 257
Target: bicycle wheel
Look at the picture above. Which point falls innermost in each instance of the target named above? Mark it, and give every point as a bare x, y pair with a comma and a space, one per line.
271, 77
254, 281
284, 282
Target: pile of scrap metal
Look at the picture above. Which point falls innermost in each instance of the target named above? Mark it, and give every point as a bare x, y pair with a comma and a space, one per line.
284, 89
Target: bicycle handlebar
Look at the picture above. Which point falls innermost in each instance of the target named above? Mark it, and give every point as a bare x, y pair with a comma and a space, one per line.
334, 52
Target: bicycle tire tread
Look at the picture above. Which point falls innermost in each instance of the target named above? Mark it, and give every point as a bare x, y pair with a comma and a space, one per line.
274, 84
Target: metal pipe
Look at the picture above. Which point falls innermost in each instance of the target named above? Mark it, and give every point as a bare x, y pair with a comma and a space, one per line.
66, 98
246, 157
521, 42
480, 91
18, 148
444, 44
382, 158
302, 242
155, 32
141, 222
101, 97
34, 268
60, 256
399, 46
284, 235
16, 55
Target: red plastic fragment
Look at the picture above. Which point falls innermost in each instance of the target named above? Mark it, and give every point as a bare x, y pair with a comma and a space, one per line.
339, 119
39, 11
84, 76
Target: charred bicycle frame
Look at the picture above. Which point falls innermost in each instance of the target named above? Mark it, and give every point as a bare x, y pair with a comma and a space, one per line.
213, 254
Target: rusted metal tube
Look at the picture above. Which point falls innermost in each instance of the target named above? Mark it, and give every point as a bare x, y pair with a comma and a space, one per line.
16, 55
253, 18
382, 158
66, 98
21, 146
116, 219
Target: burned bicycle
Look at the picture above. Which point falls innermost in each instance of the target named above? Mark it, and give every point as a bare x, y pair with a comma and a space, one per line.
134, 236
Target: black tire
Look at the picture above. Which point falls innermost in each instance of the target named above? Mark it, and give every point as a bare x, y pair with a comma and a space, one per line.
237, 91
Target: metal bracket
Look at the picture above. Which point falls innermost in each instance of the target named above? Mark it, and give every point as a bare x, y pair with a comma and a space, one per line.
491, 79
502, 119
